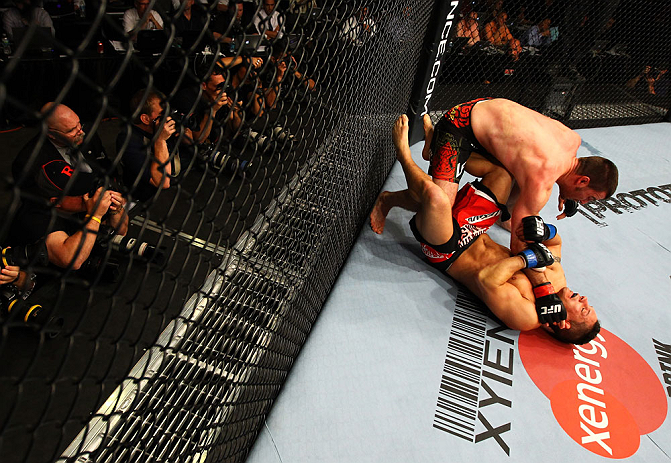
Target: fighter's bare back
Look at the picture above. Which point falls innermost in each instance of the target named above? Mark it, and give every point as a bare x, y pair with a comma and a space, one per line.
534, 148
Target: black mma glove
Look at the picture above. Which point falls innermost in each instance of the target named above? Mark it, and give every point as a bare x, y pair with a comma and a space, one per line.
537, 256
571, 207
534, 229
549, 307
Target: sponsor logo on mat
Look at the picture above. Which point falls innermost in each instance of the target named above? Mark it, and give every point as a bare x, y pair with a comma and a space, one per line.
633, 201
603, 394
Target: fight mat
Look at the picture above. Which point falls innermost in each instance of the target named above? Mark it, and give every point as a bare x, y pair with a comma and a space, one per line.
404, 366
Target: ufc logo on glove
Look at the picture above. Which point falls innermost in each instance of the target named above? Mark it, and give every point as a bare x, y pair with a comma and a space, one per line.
550, 310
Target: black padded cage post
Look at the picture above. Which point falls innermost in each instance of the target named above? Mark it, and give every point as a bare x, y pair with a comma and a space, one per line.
437, 45
172, 341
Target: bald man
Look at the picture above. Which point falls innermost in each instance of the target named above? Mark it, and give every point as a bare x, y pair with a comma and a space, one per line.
61, 138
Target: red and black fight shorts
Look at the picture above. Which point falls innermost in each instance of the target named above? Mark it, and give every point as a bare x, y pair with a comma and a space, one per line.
452, 143
475, 211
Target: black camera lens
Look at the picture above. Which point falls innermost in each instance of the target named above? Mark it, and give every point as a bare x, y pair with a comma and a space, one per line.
21, 256
184, 120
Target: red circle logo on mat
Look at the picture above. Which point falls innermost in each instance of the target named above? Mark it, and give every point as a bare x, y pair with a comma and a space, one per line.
603, 394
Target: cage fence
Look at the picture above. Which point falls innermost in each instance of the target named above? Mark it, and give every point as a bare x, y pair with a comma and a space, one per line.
205, 168
225, 161
586, 64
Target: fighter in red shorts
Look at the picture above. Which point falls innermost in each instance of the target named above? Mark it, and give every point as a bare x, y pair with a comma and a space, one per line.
453, 239
474, 212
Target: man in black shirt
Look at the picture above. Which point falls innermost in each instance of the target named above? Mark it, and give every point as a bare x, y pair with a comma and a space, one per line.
210, 105
69, 238
192, 18
146, 154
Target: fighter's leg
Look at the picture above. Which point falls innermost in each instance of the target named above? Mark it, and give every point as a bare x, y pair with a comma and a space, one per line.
449, 154
385, 202
510, 204
434, 218
428, 137
494, 176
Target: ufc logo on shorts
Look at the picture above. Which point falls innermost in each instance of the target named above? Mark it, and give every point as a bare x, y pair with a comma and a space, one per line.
67, 170
551, 310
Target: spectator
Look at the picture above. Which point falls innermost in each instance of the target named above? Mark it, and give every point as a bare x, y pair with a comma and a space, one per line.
190, 19
65, 142
605, 38
246, 87
359, 27
147, 156
268, 21
282, 74
522, 17
656, 80
141, 18
233, 22
497, 33
22, 14
68, 242
468, 27
539, 35
301, 6
205, 102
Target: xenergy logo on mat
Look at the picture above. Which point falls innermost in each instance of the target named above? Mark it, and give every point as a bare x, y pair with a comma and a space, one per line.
603, 394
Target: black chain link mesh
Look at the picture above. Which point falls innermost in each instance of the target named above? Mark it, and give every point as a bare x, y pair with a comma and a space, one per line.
172, 347
586, 63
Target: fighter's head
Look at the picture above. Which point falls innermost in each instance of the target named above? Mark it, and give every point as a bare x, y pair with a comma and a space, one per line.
593, 178
582, 324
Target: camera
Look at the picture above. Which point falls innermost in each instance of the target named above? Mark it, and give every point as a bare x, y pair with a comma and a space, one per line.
21, 256
144, 250
184, 120
31, 310
220, 160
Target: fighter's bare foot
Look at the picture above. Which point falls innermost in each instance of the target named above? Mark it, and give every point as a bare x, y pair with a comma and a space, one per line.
428, 136
399, 133
378, 215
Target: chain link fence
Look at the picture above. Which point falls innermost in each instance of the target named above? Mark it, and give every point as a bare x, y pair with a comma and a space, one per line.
186, 180
586, 64
183, 181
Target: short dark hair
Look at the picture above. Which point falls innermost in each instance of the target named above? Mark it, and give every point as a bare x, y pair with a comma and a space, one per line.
138, 100
579, 333
602, 173
280, 48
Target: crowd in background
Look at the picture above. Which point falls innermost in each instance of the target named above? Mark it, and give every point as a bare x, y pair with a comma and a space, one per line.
81, 197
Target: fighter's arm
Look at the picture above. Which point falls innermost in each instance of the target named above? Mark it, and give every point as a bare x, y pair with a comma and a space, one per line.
533, 197
503, 298
549, 307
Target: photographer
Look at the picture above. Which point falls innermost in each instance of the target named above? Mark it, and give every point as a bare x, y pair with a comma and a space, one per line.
65, 141
209, 104
68, 238
282, 73
149, 156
